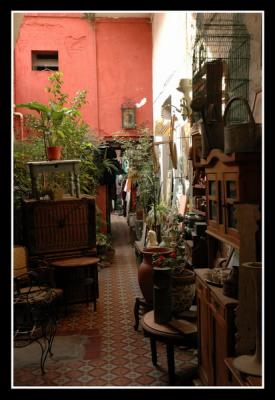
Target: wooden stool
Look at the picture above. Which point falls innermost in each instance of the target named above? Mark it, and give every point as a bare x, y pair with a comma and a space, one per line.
169, 336
76, 274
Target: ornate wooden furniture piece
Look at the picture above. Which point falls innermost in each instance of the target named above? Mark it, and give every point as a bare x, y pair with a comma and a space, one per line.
231, 179
233, 193
216, 331
63, 233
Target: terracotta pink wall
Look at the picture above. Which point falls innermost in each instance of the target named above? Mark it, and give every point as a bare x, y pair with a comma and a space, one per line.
74, 40
124, 54
111, 59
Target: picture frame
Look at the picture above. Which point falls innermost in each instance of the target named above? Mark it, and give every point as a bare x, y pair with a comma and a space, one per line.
128, 118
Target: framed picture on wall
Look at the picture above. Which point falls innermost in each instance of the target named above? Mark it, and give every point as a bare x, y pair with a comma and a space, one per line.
128, 118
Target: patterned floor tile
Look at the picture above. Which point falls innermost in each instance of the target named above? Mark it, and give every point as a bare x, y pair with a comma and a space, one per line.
112, 353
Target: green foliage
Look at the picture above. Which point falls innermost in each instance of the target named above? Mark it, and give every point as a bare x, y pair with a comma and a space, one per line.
138, 153
157, 215
59, 122
54, 118
175, 261
31, 149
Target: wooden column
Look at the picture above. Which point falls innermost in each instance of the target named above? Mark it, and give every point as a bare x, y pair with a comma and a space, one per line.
247, 216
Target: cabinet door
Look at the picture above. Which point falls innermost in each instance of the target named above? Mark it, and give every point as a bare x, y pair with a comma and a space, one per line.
231, 197
205, 367
219, 346
214, 203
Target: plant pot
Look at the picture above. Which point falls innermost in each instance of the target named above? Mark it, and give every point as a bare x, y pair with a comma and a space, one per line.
56, 194
54, 152
183, 291
145, 271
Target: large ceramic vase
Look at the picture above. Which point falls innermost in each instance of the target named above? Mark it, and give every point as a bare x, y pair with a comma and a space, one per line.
182, 291
145, 271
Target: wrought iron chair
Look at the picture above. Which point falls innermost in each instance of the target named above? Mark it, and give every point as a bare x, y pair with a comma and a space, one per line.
34, 318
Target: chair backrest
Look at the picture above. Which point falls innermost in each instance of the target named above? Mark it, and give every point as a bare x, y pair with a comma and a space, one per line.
20, 260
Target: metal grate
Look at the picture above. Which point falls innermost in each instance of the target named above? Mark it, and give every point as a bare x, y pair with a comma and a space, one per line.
224, 36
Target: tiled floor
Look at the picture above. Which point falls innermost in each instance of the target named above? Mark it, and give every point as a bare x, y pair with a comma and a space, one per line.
100, 349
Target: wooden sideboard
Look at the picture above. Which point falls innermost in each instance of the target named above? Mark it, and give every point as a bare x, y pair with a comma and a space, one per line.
216, 331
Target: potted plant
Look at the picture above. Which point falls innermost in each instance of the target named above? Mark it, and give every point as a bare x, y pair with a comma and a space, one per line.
182, 281
55, 191
55, 185
52, 117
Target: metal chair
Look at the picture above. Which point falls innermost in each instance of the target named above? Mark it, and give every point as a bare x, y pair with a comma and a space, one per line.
34, 312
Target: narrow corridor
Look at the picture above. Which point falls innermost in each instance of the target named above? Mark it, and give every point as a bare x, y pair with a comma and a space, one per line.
102, 348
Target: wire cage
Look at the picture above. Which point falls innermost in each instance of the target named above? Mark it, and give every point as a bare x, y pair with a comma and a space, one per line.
223, 36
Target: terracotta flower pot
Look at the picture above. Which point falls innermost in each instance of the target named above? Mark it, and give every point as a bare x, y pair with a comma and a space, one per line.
54, 152
145, 271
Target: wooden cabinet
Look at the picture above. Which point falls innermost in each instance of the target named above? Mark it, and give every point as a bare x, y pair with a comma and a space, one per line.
64, 229
54, 229
216, 330
230, 180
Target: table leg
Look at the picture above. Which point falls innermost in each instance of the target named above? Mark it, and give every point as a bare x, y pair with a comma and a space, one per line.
171, 363
153, 351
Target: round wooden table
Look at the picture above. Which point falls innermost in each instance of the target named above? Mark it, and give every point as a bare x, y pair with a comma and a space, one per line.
74, 274
166, 334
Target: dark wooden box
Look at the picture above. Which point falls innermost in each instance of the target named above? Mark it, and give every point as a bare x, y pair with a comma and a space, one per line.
57, 229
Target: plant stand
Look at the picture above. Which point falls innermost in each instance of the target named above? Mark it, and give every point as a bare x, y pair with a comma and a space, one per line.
70, 166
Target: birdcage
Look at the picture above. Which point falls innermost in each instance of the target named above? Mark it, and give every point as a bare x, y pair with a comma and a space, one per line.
223, 36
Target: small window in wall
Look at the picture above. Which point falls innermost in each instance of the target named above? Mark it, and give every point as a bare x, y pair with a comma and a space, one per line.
45, 60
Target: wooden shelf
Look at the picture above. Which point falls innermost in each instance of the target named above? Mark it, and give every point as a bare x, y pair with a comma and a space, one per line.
217, 154
224, 238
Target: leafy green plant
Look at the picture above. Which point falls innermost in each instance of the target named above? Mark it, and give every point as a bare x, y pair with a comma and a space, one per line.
31, 149
138, 153
157, 215
53, 116
60, 121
